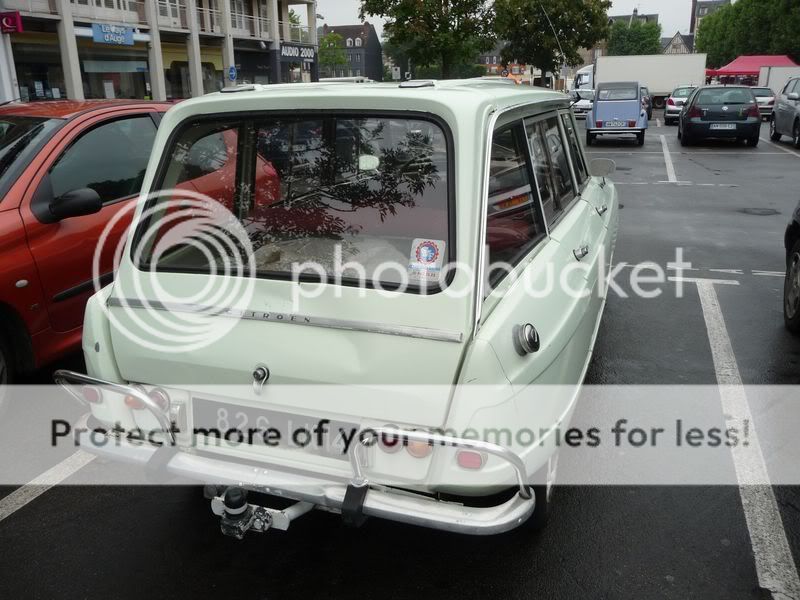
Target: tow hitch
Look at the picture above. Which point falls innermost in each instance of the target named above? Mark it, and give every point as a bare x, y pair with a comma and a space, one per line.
237, 516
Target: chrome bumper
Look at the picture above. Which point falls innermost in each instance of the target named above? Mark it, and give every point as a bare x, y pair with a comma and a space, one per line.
378, 501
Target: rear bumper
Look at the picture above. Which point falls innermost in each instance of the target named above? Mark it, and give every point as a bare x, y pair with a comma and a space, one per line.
704, 130
379, 501
626, 130
766, 111
672, 112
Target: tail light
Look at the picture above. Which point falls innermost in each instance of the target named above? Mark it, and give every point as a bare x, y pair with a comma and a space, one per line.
419, 449
694, 113
160, 398
670, 101
752, 111
92, 394
599, 124
390, 443
133, 402
467, 459
631, 123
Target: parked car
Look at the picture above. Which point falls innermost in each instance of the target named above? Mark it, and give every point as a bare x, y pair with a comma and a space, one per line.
617, 109
367, 186
718, 111
66, 168
583, 100
675, 104
791, 285
647, 102
765, 98
786, 117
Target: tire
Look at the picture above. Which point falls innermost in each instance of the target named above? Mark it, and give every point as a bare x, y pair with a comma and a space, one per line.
791, 290
668, 122
6, 374
684, 138
640, 138
796, 135
589, 138
543, 493
753, 141
773, 131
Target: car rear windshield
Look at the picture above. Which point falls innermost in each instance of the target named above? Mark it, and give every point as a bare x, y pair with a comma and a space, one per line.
762, 93
20, 140
714, 97
620, 93
682, 92
324, 190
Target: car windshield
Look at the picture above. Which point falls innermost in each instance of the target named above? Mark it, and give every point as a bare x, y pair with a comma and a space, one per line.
321, 189
762, 93
586, 95
726, 96
20, 140
620, 93
682, 92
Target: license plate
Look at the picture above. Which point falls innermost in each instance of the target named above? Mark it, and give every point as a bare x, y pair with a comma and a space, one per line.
616, 124
244, 425
724, 126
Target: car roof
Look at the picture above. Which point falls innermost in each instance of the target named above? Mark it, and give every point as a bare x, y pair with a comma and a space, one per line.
67, 109
472, 94
613, 85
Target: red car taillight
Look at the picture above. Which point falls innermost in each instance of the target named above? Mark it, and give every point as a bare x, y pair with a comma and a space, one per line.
599, 123
631, 123
694, 113
752, 111
670, 101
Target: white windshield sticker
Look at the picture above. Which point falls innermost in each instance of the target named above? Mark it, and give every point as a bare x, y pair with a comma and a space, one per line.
427, 257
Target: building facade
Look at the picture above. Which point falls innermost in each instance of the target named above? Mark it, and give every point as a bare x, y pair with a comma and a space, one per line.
153, 49
702, 8
680, 43
363, 49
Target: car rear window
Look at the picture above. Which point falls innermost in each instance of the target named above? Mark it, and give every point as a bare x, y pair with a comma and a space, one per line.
722, 96
358, 191
762, 92
620, 93
682, 92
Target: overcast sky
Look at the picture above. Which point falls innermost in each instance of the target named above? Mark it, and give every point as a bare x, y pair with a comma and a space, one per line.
672, 14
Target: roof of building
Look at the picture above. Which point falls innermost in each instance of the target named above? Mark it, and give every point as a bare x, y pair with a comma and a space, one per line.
65, 109
688, 40
635, 15
708, 3
362, 30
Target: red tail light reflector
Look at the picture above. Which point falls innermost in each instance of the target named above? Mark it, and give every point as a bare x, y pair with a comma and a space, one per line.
467, 459
390, 443
694, 113
419, 449
631, 123
670, 101
753, 112
599, 124
92, 394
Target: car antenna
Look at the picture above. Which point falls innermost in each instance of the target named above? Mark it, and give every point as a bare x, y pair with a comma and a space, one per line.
555, 34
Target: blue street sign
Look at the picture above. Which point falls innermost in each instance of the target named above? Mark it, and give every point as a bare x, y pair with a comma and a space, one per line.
232, 73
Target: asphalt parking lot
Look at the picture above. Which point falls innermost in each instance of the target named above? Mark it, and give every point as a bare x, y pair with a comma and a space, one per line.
727, 206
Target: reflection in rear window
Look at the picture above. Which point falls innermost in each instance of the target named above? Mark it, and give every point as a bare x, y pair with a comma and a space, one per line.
724, 96
326, 190
618, 94
682, 92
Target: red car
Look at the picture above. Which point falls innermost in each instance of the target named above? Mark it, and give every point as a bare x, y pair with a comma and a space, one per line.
66, 168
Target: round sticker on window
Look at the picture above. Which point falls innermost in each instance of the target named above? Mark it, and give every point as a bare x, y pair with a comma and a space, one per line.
426, 261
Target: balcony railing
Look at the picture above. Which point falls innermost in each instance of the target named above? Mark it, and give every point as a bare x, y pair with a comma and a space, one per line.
291, 32
173, 14
249, 26
209, 20
47, 7
114, 11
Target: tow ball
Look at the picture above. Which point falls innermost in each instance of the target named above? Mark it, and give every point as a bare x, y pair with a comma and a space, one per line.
237, 516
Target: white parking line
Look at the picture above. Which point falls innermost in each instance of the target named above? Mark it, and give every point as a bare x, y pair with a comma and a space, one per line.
658, 122
30, 491
774, 563
668, 160
792, 152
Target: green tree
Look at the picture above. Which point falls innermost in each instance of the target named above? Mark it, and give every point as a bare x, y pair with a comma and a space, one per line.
294, 18
332, 53
634, 38
446, 33
529, 26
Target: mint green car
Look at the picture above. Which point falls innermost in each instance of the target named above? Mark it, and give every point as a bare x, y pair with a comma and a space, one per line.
375, 280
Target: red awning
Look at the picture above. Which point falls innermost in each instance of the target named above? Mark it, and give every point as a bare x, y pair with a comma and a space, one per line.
751, 65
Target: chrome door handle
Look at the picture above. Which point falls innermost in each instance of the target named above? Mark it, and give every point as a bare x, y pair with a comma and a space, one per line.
581, 253
602, 210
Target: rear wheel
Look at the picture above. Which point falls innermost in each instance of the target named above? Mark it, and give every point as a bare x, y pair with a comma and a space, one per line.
791, 290
773, 131
796, 134
6, 374
640, 138
753, 141
543, 491
684, 138
589, 138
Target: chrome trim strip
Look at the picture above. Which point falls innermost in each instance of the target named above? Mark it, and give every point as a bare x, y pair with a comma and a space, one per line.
424, 333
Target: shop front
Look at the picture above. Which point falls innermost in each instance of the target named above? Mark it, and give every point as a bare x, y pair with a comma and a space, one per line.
298, 63
252, 66
176, 69
40, 75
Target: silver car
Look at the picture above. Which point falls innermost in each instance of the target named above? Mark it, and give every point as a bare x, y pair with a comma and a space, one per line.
675, 103
765, 98
786, 117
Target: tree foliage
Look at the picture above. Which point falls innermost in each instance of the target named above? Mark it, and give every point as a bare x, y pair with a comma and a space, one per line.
634, 38
447, 33
331, 52
528, 26
750, 27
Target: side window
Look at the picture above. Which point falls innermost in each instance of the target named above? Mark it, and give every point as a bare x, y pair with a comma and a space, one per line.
790, 87
575, 149
551, 166
514, 223
110, 159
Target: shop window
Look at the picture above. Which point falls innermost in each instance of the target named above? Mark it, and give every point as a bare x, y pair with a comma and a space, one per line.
110, 159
